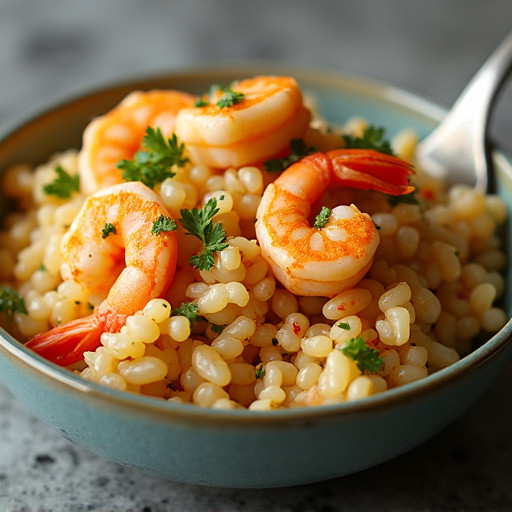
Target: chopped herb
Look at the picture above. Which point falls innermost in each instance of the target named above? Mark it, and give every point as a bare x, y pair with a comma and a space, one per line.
344, 325
409, 198
201, 102
188, 310
367, 358
11, 302
217, 329
372, 138
162, 224
298, 150
322, 218
107, 229
171, 386
199, 224
152, 165
42, 268
229, 98
64, 185
260, 371
77, 303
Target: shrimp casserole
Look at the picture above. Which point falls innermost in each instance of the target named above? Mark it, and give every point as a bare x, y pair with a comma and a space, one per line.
234, 250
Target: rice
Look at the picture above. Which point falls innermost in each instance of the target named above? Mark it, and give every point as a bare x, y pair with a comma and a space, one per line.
428, 299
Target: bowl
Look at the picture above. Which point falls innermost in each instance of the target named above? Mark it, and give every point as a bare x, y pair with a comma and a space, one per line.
240, 448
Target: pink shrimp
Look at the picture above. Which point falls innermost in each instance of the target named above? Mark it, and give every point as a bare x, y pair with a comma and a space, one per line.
118, 134
129, 263
324, 260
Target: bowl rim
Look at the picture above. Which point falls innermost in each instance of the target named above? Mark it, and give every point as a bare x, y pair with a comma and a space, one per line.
419, 106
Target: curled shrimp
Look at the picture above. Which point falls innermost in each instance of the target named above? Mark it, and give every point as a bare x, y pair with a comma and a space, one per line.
269, 114
324, 261
130, 265
118, 134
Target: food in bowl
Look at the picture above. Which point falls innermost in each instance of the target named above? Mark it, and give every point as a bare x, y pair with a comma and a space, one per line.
233, 250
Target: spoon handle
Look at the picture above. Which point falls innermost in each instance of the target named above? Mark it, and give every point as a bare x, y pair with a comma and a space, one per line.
459, 143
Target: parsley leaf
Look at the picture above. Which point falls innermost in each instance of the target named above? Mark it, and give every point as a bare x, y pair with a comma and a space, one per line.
344, 325
259, 371
298, 150
11, 302
107, 229
372, 138
367, 358
64, 185
199, 224
217, 329
162, 224
322, 218
229, 98
152, 165
188, 310
409, 198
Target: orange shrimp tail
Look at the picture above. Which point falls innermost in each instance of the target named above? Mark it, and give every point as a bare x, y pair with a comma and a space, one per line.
368, 169
66, 344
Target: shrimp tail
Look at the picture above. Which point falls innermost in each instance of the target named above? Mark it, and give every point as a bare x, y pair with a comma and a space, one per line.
368, 169
66, 344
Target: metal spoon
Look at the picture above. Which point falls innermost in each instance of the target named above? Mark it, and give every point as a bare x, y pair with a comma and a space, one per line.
458, 149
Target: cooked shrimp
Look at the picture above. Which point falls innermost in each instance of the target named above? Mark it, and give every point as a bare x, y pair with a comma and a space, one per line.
324, 261
271, 113
130, 265
118, 134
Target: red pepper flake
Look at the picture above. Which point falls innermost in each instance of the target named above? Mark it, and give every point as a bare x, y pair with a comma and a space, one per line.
341, 307
427, 193
296, 328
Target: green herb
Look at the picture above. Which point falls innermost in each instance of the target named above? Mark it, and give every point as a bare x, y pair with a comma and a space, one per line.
217, 329
11, 302
64, 185
199, 224
409, 198
298, 150
322, 218
201, 102
259, 371
372, 138
152, 165
42, 268
367, 358
107, 229
163, 223
188, 310
344, 325
229, 98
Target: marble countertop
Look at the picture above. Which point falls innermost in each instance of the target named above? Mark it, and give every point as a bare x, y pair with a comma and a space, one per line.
52, 48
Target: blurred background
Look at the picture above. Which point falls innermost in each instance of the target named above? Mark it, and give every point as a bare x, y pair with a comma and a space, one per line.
54, 49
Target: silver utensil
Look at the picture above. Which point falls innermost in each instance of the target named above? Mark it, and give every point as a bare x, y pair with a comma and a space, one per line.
458, 149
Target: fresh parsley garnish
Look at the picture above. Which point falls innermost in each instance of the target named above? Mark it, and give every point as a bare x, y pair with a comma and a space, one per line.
162, 224
298, 150
199, 224
188, 310
372, 138
217, 329
259, 371
11, 302
322, 218
367, 358
229, 98
409, 198
344, 325
107, 229
152, 165
64, 185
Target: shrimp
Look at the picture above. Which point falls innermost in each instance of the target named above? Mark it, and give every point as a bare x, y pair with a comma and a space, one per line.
128, 263
271, 113
324, 261
118, 134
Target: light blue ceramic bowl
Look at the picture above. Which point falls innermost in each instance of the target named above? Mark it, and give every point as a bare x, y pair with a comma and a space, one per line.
242, 448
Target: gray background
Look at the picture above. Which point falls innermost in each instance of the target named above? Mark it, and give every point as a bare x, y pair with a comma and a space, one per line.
50, 49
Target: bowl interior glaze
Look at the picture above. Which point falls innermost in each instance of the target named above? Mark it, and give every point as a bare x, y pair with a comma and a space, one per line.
212, 447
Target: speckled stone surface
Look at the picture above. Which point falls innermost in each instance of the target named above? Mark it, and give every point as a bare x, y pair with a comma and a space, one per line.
52, 48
